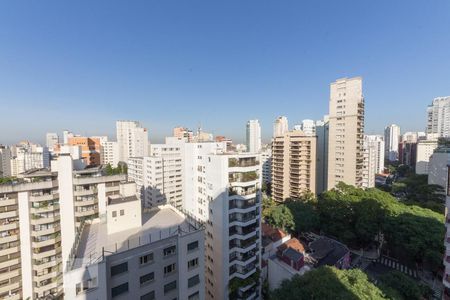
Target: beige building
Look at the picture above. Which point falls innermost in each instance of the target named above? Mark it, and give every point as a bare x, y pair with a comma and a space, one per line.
293, 165
346, 133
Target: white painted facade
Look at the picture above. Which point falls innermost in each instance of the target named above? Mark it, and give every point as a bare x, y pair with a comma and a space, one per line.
425, 149
253, 136
438, 113
51, 139
132, 140
391, 141
280, 126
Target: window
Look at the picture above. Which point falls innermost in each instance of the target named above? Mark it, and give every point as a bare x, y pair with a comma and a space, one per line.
119, 290
147, 278
194, 296
169, 269
170, 286
193, 263
192, 246
86, 285
119, 269
122, 212
170, 250
148, 296
194, 280
114, 214
146, 259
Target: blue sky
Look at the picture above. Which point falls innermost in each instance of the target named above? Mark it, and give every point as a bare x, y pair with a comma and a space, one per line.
81, 65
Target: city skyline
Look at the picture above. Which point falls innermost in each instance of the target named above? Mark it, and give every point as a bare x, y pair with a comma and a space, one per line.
271, 60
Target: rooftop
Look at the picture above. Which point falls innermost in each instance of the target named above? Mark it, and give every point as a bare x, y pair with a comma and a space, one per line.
117, 199
326, 251
157, 224
273, 234
293, 244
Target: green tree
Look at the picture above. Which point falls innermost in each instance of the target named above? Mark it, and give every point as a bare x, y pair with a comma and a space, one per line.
281, 217
306, 217
397, 285
328, 283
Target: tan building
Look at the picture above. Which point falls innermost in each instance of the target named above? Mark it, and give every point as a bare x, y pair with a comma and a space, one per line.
90, 149
182, 132
293, 165
346, 133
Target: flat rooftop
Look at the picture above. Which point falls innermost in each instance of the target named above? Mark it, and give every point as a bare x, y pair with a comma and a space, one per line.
157, 224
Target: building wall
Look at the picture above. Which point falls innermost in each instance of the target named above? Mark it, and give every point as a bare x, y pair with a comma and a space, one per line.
132, 140
425, 149
90, 149
438, 114
346, 131
392, 139
253, 136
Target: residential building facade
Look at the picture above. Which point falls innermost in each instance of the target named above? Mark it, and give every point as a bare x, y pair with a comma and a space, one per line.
438, 121
391, 141
132, 139
280, 126
253, 136
425, 149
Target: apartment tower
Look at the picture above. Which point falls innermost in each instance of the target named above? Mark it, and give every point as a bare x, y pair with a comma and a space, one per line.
132, 140
280, 126
391, 141
346, 133
253, 136
439, 117
293, 165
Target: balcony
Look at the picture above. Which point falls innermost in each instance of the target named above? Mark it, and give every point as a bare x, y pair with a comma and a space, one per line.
44, 197
243, 246
39, 254
242, 272
40, 219
242, 162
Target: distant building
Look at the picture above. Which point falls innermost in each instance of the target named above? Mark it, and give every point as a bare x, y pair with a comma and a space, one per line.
309, 127
27, 156
182, 132
51, 140
90, 149
438, 163
293, 165
253, 136
266, 164
132, 139
346, 133
66, 136
374, 158
5, 161
391, 142
407, 149
322, 132
439, 117
280, 126
425, 149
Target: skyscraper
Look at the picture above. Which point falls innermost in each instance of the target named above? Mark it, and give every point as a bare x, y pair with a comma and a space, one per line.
391, 141
293, 165
346, 133
374, 158
280, 126
132, 140
253, 136
439, 117
308, 127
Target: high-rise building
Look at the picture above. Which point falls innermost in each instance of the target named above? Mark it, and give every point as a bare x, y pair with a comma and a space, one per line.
293, 165
439, 117
27, 156
51, 140
182, 132
280, 126
308, 127
159, 255
407, 153
266, 164
132, 140
90, 149
346, 133
49, 207
322, 131
159, 177
223, 190
391, 142
5, 161
66, 136
109, 153
253, 136
374, 158
425, 149
438, 166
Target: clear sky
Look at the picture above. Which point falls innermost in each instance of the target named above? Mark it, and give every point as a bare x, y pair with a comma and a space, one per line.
81, 65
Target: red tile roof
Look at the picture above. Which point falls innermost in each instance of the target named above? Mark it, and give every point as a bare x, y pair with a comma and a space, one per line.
272, 233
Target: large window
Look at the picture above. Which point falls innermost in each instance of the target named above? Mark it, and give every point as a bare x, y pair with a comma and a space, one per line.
148, 296
146, 259
192, 263
170, 250
119, 290
194, 296
170, 286
147, 278
192, 246
169, 269
119, 269
194, 280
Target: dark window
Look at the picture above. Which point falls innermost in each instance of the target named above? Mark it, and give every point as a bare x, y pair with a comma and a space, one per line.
119, 269
147, 278
170, 250
194, 280
194, 296
148, 296
146, 259
192, 246
119, 290
114, 214
193, 263
122, 212
169, 269
170, 286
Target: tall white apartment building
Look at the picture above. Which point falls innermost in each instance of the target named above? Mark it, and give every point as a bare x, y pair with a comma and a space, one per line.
280, 126
308, 127
439, 117
253, 136
159, 177
51, 140
5, 161
374, 158
48, 207
223, 190
158, 254
266, 164
132, 140
391, 142
322, 132
425, 149
346, 133
109, 151
27, 156
66, 136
